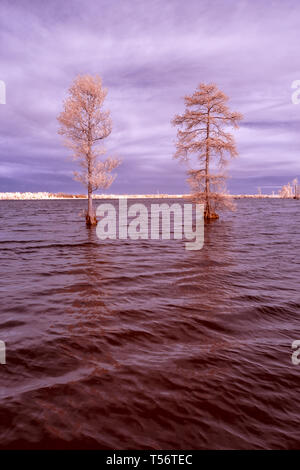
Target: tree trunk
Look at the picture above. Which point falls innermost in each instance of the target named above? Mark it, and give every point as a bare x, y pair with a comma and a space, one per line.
90, 215
207, 211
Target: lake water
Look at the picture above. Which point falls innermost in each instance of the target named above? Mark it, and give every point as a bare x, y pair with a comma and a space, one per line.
143, 344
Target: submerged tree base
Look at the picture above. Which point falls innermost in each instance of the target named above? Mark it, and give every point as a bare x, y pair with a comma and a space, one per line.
90, 220
210, 216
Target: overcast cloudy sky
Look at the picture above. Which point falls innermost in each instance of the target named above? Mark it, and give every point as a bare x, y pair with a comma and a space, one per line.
150, 54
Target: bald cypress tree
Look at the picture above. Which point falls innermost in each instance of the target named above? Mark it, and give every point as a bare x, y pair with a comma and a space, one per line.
85, 124
202, 137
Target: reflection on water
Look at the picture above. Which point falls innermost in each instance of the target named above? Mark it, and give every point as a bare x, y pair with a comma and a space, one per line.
143, 344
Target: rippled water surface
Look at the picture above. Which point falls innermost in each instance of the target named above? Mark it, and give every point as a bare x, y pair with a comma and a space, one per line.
142, 344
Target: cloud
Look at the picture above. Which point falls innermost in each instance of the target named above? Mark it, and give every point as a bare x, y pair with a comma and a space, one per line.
150, 54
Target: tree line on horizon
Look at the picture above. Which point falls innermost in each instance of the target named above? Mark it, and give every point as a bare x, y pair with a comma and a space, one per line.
202, 141
290, 190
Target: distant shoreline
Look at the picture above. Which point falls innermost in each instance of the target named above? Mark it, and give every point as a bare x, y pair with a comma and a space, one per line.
26, 196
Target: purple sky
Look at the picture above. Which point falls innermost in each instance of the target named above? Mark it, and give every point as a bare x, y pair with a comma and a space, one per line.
149, 54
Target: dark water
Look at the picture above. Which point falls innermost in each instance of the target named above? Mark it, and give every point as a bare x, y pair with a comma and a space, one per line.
130, 345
